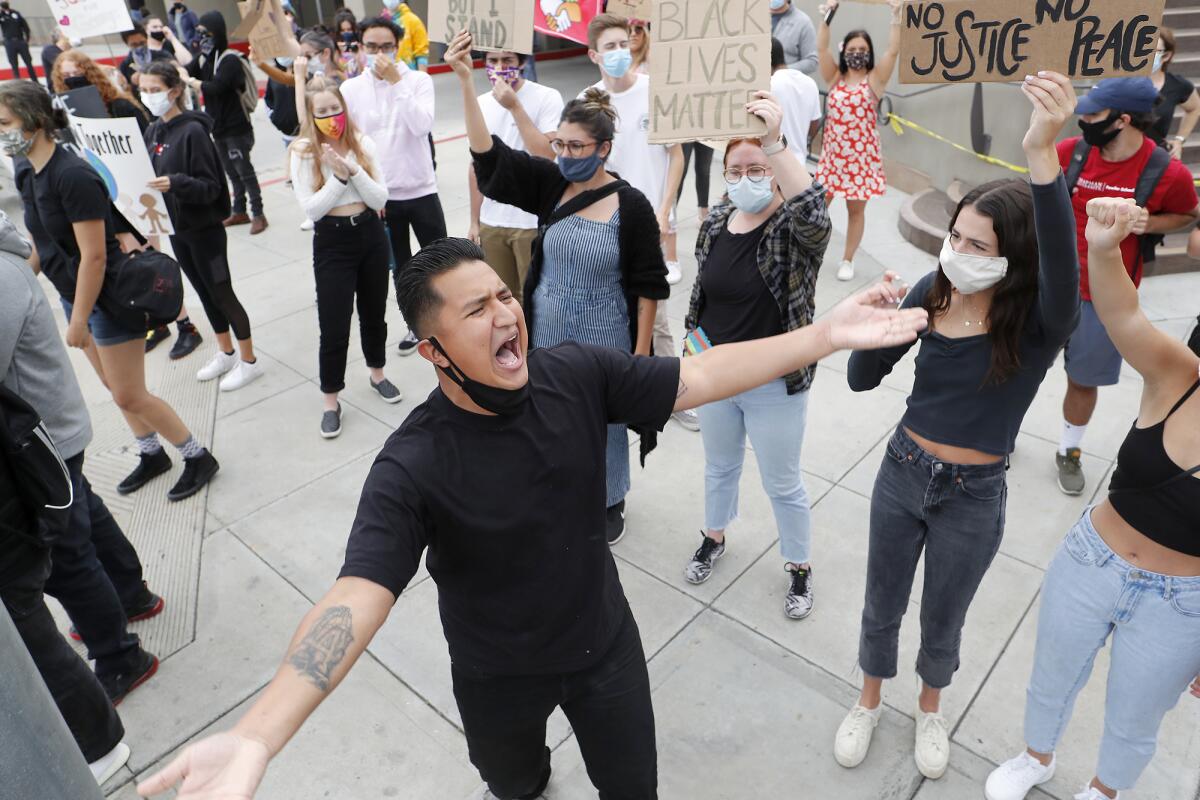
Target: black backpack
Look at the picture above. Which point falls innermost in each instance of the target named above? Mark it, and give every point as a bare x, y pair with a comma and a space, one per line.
142, 289
1152, 173
40, 475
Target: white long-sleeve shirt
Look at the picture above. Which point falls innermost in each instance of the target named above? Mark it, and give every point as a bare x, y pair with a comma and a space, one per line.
399, 117
360, 188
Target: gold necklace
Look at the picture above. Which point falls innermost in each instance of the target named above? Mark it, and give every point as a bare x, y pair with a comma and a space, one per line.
967, 322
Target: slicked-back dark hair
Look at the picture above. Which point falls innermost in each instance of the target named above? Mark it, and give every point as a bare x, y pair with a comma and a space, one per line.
415, 294
380, 22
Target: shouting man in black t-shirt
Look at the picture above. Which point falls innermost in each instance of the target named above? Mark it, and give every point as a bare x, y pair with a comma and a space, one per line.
500, 476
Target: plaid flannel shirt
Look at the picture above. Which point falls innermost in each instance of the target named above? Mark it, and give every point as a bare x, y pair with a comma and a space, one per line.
789, 256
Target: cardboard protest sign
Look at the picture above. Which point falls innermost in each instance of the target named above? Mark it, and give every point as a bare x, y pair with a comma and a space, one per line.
565, 19
632, 9
116, 150
80, 18
971, 41
493, 24
710, 56
268, 30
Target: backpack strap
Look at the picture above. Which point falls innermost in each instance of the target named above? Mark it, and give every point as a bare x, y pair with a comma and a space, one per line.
1152, 173
1079, 157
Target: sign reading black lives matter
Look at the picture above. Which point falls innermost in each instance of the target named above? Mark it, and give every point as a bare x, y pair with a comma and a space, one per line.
493, 24
710, 56
972, 41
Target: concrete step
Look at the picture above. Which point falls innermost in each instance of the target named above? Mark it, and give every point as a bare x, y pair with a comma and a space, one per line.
1179, 4
1187, 65
1184, 17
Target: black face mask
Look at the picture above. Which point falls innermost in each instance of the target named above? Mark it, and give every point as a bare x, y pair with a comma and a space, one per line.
505, 402
158, 36
76, 82
1095, 133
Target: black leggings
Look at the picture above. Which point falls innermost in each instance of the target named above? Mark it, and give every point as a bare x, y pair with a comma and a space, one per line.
203, 256
704, 157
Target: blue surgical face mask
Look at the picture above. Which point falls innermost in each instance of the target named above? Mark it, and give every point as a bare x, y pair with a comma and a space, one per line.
750, 196
777, 4
616, 63
1158, 62
285, 61
371, 61
578, 170
391, 4
315, 68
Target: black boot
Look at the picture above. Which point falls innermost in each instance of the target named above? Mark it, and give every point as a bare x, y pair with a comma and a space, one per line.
150, 467
119, 684
196, 473
189, 339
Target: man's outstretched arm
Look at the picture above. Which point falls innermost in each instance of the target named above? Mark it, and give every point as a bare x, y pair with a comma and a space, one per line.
868, 320
331, 637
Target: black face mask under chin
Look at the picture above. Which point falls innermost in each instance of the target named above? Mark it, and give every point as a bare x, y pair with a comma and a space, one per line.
505, 402
1096, 133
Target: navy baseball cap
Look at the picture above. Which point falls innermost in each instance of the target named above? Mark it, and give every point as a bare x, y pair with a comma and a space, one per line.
1129, 95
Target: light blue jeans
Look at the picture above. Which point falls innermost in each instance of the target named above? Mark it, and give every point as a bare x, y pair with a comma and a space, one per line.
1091, 593
774, 421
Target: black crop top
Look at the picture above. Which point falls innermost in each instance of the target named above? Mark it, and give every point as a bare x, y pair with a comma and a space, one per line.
1154, 494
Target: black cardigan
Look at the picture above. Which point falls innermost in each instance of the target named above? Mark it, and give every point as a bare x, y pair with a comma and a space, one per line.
536, 186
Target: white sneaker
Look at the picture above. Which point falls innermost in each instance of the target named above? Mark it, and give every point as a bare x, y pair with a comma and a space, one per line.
110, 763
845, 271
688, 418
242, 374
931, 746
217, 366
1013, 779
1092, 793
307, 225
674, 274
854, 735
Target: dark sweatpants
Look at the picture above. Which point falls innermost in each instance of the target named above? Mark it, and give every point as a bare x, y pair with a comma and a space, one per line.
203, 255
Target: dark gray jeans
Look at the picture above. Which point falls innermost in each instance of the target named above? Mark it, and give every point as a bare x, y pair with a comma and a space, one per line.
955, 513
234, 152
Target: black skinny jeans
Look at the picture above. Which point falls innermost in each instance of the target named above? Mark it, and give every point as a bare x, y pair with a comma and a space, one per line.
19, 47
350, 264
96, 576
234, 152
704, 157
203, 255
77, 692
608, 706
423, 215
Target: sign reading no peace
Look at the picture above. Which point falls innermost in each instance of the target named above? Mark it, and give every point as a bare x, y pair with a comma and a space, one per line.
493, 24
972, 41
710, 57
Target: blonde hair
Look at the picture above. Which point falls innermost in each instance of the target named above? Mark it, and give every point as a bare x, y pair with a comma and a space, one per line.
641, 55
308, 145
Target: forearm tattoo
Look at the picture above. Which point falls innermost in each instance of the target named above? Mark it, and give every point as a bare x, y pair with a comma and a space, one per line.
682, 390
324, 646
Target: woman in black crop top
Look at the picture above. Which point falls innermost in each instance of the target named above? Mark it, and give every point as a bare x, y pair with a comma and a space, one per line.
1130, 568
1001, 304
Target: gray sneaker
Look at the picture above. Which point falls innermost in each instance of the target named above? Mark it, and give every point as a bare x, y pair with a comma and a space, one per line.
799, 601
331, 423
699, 569
387, 390
1070, 472
688, 418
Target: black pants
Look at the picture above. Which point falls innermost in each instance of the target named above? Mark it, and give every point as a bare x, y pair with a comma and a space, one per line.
81, 700
608, 706
423, 215
350, 263
203, 255
235, 157
96, 575
19, 47
704, 156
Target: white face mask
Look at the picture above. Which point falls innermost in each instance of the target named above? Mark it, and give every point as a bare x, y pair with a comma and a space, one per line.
157, 103
970, 274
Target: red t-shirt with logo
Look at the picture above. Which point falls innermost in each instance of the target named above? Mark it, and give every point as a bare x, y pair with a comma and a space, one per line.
1175, 194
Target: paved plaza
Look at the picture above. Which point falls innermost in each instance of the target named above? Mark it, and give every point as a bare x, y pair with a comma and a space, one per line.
746, 700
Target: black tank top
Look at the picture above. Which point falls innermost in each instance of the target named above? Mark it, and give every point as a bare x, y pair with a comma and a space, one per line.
1152, 493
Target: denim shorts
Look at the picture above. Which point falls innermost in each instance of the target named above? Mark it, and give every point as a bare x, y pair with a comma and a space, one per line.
1091, 357
104, 328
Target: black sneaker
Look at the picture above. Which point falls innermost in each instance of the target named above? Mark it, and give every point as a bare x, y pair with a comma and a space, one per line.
387, 390
699, 569
119, 684
799, 601
189, 339
149, 467
196, 473
147, 606
615, 522
408, 345
159, 334
331, 423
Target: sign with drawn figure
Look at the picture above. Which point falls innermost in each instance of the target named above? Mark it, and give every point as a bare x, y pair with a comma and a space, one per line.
269, 31
710, 57
565, 19
631, 9
974, 41
493, 24
116, 150
80, 18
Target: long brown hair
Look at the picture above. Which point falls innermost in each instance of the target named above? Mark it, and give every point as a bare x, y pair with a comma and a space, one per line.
1009, 205
310, 141
94, 74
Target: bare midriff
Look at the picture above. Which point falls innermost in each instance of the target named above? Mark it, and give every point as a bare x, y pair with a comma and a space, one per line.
348, 210
1138, 549
952, 454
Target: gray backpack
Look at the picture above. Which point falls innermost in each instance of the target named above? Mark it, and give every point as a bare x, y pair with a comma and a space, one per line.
248, 94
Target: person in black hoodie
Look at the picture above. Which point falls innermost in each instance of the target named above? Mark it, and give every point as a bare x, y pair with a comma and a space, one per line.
218, 75
188, 167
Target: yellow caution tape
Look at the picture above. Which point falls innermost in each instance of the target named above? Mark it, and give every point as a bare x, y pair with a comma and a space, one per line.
897, 121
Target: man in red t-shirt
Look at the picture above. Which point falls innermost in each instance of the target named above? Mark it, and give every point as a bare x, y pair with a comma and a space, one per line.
1113, 117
